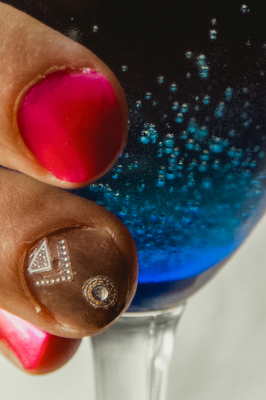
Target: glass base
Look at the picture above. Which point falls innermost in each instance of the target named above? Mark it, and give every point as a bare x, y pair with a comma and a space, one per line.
132, 357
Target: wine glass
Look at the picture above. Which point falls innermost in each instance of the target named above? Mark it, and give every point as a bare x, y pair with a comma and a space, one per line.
190, 185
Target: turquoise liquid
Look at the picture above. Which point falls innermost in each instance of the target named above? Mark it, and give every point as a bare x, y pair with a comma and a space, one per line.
190, 196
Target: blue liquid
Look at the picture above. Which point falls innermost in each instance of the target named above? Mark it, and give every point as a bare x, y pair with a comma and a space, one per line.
190, 184
190, 197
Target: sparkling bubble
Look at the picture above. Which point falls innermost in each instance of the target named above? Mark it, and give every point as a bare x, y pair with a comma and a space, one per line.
206, 100
160, 182
124, 68
184, 135
180, 165
216, 164
216, 145
202, 133
197, 147
144, 139
203, 167
204, 71
148, 95
141, 187
95, 28
226, 142
235, 162
244, 9
232, 152
193, 164
219, 112
169, 140
119, 168
138, 103
232, 133
160, 79
205, 155
188, 75
170, 176
188, 55
214, 21
206, 184
190, 144
172, 159
213, 34
191, 180
247, 123
201, 58
179, 118
228, 93
192, 125
184, 108
175, 105
173, 87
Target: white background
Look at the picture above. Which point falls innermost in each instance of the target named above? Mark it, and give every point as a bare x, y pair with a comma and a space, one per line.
220, 349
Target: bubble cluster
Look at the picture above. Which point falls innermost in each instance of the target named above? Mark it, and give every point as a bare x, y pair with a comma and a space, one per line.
193, 171
203, 68
148, 134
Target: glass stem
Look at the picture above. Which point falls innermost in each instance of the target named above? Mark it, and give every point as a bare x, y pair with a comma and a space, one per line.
132, 357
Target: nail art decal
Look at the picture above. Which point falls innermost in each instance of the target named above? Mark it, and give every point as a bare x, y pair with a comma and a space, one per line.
100, 292
40, 259
78, 276
48, 270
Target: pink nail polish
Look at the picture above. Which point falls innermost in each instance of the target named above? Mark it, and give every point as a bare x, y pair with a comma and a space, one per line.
25, 340
35, 350
72, 123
